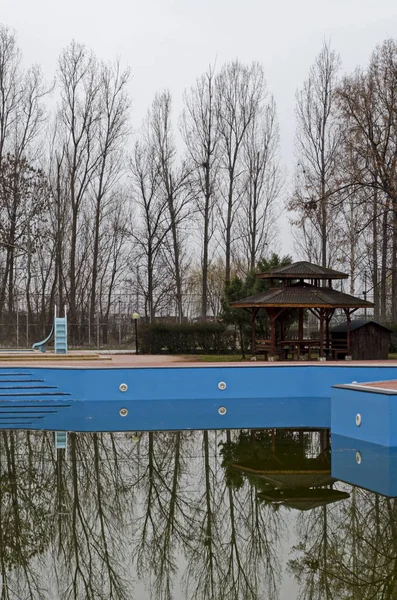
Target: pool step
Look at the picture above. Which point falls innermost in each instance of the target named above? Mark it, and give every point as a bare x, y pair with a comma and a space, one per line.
26, 400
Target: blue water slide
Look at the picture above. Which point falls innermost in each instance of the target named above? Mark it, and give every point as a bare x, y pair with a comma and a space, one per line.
42, 346
60, 333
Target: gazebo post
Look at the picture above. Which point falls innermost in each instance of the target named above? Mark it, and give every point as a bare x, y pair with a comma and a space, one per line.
272, 316
328, 318
300, 323
348, 320
321, 316
254, 312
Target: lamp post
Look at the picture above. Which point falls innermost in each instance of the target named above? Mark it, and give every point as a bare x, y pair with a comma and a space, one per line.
135, 317
119, 322
17, 322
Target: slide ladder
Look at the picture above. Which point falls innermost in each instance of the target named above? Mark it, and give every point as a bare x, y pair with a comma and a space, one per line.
60, 334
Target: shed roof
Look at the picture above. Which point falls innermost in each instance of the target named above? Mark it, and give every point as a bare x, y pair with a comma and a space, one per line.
356, 324
302, 270
301, 297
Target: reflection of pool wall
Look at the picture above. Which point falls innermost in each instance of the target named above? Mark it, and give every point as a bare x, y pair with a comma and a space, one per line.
371, 466
176, 398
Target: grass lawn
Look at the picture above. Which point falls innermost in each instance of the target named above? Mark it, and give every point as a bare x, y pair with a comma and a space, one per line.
215, 357
238, 357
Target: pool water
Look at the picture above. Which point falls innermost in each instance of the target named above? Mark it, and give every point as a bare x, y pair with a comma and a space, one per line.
194, 515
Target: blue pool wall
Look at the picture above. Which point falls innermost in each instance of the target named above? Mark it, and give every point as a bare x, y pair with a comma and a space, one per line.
377, 411
176, 398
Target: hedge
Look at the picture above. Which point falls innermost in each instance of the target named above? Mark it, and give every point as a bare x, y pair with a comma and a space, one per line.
187, 338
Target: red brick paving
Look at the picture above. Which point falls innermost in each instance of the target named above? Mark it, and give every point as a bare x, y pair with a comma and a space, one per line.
384, 385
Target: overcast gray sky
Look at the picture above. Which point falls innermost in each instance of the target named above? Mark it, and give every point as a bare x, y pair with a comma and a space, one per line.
169, 43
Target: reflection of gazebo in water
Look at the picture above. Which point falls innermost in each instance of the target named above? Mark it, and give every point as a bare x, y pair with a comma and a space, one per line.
300, 286
293, 479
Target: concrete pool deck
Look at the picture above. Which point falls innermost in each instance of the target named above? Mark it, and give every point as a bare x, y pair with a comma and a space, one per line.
92, 359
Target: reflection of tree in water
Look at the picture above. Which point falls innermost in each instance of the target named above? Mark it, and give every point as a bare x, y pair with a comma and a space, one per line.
61, 519
188, 513
95, 500
108, 501
25, 491
204, 574
163, 528
234, 553
255, 532
349, 550
90, 523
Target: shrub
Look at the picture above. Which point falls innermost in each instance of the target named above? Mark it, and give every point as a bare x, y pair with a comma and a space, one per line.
187, 338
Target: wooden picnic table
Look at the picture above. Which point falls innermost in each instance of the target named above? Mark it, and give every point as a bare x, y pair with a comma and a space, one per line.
283, 347
300, 344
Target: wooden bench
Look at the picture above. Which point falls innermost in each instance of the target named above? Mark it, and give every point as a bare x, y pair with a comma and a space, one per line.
337, 348
265, 347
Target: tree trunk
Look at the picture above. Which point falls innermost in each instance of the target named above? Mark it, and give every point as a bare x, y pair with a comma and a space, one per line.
375, 254
394, 264
383, 280
228, 242
176, 257
204, 293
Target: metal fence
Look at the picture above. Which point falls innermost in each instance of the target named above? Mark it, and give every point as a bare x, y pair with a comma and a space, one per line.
118, 332
20, 330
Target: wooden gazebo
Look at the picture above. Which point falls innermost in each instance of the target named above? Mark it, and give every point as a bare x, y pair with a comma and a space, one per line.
301, 285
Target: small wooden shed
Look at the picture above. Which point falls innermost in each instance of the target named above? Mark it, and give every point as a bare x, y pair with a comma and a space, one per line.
369, 340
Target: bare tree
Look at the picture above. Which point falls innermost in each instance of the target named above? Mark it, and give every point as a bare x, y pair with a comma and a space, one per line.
151, 224
239, 92
10, 87
22, 115
173, 187
262, 182
79, 120
200, 132
112, 135
317, 142
368, 102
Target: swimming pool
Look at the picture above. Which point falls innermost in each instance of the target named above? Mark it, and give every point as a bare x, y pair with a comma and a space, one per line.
175, 397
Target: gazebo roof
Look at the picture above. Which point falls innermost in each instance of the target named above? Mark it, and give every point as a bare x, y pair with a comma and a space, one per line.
301, 297
302, 270
303, 499
308, 475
